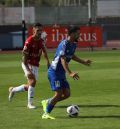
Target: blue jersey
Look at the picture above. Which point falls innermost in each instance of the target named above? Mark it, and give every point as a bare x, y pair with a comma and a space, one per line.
65, 49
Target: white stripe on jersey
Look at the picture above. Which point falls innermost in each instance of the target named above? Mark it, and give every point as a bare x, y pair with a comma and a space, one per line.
55, 62
60, 52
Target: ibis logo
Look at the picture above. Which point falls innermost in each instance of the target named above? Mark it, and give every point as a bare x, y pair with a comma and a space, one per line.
88, 36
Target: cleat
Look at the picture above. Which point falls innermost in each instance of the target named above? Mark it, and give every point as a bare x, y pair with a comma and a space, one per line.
11, 94
31, 106
47, 116
44, 104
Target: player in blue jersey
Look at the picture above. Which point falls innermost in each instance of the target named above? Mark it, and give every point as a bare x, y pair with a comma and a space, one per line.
58, 69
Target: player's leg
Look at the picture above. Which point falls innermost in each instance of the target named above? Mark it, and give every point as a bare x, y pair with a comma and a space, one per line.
56, 86
65, 89
13, 90
32, 83
21, 88
52, 101
61, 93
25, 87
64, 92
56, 98
49, 104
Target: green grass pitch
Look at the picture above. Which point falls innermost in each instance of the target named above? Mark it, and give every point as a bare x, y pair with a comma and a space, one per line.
97, 93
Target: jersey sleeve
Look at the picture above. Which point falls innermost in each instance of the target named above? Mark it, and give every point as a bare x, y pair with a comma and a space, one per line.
27, 43
27, 46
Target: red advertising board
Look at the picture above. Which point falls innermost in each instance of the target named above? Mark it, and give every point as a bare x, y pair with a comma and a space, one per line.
89, 36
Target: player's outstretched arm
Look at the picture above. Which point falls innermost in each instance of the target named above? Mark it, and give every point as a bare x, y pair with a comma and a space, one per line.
66, 68
25, 57
85, 62
44, 51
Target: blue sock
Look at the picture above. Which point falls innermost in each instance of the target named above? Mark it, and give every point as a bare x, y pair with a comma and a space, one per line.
49, 108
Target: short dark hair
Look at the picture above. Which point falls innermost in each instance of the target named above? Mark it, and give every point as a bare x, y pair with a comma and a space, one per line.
72, 29
37, 25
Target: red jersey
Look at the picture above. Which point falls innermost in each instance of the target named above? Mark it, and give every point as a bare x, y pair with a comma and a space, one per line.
34, 49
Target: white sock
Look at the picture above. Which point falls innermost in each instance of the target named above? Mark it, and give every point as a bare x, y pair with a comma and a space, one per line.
30, 94
49, 100
19, 88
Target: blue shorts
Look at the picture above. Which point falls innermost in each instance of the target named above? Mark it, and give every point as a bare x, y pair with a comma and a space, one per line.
56, 82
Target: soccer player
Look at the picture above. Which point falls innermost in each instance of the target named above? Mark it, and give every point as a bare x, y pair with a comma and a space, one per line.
58, 69
32, 51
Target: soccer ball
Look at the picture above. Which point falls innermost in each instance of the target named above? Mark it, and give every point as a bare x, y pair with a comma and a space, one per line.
73, 110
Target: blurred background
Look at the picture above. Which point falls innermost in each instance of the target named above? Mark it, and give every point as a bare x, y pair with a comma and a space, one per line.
99, 21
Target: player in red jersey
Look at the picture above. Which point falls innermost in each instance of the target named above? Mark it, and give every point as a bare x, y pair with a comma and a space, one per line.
32, 51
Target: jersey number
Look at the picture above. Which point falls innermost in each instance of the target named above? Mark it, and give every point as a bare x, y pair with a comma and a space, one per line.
57, 83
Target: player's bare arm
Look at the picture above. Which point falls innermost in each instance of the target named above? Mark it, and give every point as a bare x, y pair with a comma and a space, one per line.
44, 52
66, 68
85, 62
